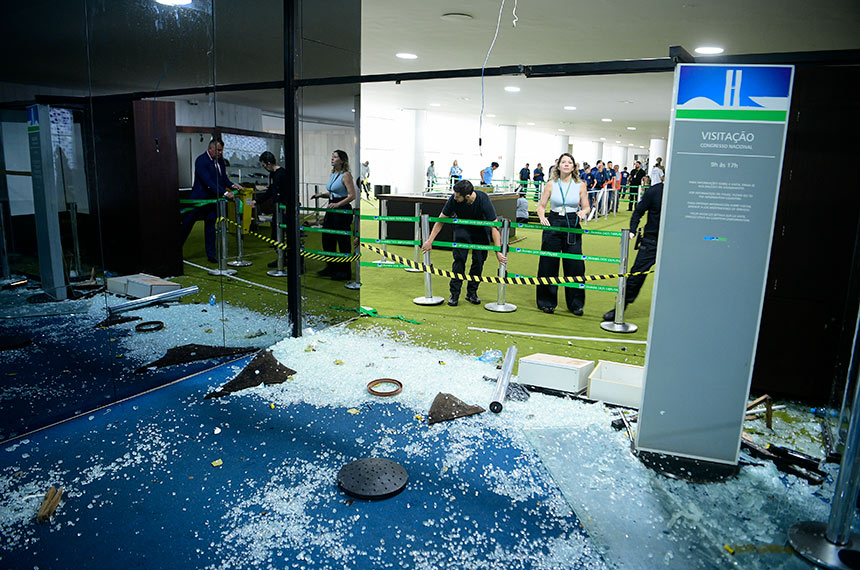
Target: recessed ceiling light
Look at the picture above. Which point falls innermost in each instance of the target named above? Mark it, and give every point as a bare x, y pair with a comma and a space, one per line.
561, 130
404, 55
174, 2
709, 50
456, 17
617, 142
606, 120
603, 138
490, 115
569, 108
512, 89
631, 128
626, 102
640, 146
530, 124
437, 105
629, 144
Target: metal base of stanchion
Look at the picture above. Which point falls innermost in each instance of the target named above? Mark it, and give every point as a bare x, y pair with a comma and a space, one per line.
503, 308
353, 285
428, 300
240, 263
276, 273
612, 326
222, 272
413, 270
810, 541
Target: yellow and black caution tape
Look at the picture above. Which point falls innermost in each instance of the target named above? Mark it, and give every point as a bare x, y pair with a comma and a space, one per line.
494, 279
307, 253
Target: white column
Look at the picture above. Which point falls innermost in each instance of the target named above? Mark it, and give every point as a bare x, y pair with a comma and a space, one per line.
409, 153
625, 156
417, 158
563, 146
598, 152
656, 149
356, 169
507, 167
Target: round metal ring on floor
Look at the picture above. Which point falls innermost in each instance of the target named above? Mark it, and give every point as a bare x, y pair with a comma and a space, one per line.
372, 478
371, 387
149, 326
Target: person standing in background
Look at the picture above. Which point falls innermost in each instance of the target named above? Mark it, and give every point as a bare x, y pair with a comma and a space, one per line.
210, 183
487, 174
525, 175
340, 192
455, 174
276, 191
636, 176
364, 178
657, 173
431, 175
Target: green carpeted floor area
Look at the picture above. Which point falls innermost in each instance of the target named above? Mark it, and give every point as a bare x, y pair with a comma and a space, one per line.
390, 293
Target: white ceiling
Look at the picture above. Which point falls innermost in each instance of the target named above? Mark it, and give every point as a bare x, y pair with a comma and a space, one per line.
568, 31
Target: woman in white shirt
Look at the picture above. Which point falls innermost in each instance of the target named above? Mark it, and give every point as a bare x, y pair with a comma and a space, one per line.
657, 173
567, 197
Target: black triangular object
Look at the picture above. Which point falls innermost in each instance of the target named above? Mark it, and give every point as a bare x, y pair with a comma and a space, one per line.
263, 369
449, 407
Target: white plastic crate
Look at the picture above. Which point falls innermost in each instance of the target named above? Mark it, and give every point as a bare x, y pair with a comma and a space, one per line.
616, 383
554, 372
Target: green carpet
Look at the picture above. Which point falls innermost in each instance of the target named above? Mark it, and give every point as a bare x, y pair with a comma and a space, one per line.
390, 293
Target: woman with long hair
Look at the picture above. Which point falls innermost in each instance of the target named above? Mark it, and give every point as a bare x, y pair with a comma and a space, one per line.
567, 197
340, 192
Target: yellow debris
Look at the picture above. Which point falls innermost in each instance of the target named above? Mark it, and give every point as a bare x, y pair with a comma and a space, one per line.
419, 418
353, 411
217, 463
272, 406
338, 362
442, 362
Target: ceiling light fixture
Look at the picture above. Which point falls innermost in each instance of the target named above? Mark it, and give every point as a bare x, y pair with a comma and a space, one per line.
174, 2
629, 144
569, 108
640, 146
512, 89
456, 17
631, 128
617, 142
439, 105
491, 116
606, 120
405, 55
709, 50
603, 138
530, 124
561, 130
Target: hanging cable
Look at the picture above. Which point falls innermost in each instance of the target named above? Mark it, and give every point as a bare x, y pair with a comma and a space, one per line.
483, 67
516, 18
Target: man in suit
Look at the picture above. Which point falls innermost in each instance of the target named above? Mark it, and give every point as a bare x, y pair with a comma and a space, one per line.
210, 182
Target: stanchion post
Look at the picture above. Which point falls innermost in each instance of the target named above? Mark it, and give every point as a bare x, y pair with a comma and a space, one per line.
240, 248
619, 325
383, 228
221, 241
428, 298
279, 235
73, 220
417, 238
833, 545
500, 306
356, 223
317, 223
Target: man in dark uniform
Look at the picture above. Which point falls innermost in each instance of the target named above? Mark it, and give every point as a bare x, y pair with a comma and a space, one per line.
276, 191
634, 181
652, 203
210, 182
466, 203
525, 175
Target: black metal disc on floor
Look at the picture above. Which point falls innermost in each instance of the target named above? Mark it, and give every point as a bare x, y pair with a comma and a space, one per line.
13, 341
372, 478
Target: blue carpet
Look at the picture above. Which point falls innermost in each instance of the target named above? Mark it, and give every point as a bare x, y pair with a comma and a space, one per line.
141, 490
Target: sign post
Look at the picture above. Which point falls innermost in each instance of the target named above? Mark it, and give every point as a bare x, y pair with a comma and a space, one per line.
726, 144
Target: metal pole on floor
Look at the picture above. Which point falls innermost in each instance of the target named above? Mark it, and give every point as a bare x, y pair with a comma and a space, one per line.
356, 222
279, 234
5, 272
428, 298
500, 306
383, 228
417, 239
222, 241
240, 248
619, 325
833, 545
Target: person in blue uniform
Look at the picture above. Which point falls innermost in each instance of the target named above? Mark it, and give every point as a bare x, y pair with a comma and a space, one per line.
340, 192
634, 181
652, 202
525, 175
487, 174
210, 182
467, 203
567, 196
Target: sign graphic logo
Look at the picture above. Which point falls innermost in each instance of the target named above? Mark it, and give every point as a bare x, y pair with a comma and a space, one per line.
733, 93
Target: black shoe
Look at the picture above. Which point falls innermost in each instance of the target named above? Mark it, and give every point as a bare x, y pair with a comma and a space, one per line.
473, 299
273, 263
324, 272
341, 277
548, 310
212, 260
577, 311
609, 315
453, 301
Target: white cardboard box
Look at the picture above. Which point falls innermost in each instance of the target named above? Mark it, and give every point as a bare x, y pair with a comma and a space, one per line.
616, 383
554, 372
139, 287
119, 285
